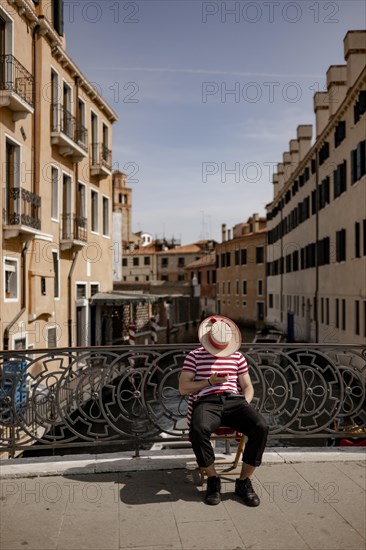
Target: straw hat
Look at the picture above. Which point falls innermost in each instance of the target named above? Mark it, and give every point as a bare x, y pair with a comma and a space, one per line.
219, 335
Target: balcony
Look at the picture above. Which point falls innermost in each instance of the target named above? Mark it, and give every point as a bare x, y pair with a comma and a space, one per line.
21, 212
16, 87
68, 134
100, 161
73, 231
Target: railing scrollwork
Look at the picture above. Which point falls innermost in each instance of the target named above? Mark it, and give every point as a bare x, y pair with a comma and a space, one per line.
129, 395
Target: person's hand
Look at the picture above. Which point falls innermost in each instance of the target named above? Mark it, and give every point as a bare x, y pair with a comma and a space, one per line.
218, 378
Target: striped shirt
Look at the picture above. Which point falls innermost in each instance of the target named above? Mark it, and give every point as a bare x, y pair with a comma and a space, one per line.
204, 365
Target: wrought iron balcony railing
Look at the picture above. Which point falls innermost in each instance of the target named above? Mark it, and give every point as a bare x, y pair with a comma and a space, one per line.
95, 397
74, 228
101, 156
63, 121
21, 208
15, 78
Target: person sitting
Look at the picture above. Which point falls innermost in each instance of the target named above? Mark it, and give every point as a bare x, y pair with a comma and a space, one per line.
216, 378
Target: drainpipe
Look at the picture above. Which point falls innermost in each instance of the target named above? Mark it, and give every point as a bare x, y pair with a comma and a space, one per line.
69, 299
35, 189
316, 312
22, 297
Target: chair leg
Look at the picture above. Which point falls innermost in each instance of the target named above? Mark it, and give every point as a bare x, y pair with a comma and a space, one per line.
239, 450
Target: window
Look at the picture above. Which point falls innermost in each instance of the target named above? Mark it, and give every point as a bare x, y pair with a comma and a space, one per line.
323, 153
105, 145
94, 289
52, 337
237, 254
81, 205
270, 301
11, 279
337, 313
105, 216
135, 261
94, 139
146, 260
124, 262
81, 134
260, 287
181, 262
58, 16
208, 277
54, 193
94, 211
228, 259
56, 271
244, 283
343, 314
360, 106
12, 175
237, 287
340, 133
259, 254
341, 245
244, 256
43, 286
80, 291
358, 162
54, 101
322, 310
164, 262
357, 240
357, 316
223, 287
327, 311
340, 179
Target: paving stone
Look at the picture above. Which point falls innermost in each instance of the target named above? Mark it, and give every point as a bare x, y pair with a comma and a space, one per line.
210, 535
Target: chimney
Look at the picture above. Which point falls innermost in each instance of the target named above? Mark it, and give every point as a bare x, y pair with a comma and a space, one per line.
294, 153
321, 110
229, 234
287, 168
354, 53
255, 223
223, 232
304, 133
275, 185
337, 86
281, 176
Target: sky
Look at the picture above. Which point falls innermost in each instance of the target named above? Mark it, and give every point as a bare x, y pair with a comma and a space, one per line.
208, 96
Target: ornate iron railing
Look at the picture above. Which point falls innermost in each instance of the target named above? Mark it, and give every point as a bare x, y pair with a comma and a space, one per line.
74, 228
22, 207
15, 78
101, 156
64, 121
128, 395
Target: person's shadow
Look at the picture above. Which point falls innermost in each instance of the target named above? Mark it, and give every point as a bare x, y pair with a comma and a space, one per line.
145, 486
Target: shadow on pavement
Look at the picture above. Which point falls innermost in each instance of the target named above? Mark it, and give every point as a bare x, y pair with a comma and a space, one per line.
145, 487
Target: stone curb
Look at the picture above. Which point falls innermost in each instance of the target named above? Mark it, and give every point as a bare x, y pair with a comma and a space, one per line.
158, 460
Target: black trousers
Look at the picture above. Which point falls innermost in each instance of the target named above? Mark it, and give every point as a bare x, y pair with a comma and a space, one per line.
233, 411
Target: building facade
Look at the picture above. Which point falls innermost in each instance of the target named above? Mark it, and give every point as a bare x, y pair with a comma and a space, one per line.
55, 142
316, 254
202, 275
241, 272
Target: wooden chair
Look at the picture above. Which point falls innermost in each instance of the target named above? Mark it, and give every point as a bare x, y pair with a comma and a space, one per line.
228, 435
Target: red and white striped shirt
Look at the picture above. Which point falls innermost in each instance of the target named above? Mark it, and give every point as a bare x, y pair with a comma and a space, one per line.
204, 365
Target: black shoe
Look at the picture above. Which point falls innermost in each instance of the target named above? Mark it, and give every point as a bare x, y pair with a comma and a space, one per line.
212, 496
244, 489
